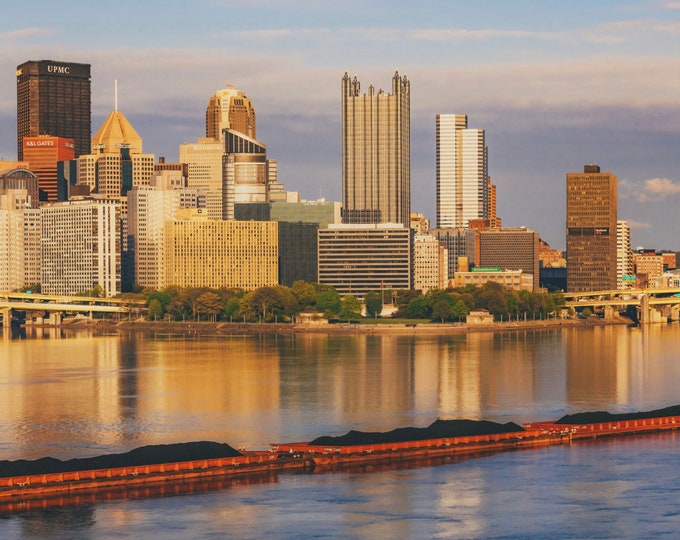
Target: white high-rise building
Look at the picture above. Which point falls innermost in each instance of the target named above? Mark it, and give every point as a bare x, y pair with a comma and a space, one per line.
624, 256
430, 263
462, 172
204, 158
19, 241
81, 246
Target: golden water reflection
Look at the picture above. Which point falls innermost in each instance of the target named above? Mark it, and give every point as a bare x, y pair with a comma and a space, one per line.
71, 395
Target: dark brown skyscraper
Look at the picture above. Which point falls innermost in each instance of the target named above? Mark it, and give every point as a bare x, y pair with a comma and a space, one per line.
54, 98
591, 230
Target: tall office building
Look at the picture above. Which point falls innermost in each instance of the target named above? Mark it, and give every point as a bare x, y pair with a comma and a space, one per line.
460, 243
511, 248
19, 240
362, 258
207, 253
81, 246
462, 172
247, 173
116, 163
43, 155
625, 270
149, 207
376, 168
204, 158
229, 108
430, 263
591, 230
54, 98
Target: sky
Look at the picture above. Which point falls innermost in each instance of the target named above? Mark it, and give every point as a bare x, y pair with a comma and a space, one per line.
555, 84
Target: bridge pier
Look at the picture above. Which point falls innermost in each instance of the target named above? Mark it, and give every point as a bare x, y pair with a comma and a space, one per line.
55, 318
6, 317
671, 312
648, 314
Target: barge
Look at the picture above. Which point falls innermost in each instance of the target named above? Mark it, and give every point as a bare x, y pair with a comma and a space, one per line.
442, 442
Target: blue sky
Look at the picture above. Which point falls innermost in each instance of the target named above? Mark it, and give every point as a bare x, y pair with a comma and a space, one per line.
555, 84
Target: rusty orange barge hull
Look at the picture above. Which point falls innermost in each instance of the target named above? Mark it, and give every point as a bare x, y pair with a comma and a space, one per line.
304, 456
534, 435
39, 485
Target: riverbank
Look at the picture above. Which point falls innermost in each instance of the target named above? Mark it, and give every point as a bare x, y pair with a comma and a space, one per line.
224, 328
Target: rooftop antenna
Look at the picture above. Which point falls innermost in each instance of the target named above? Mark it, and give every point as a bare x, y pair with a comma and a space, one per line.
115, 95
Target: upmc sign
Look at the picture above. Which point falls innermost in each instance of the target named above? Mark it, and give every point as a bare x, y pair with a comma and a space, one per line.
61, 70
49, 67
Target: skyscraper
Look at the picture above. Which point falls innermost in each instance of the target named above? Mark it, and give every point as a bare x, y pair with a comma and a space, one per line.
229, 108
54, 98
462, 172
81, 246
625, 271
591, 230
376, 168
43, 155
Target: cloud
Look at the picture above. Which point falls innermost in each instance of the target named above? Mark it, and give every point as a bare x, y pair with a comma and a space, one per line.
634, 224
662, 186
26, 33
672, 5
652, 189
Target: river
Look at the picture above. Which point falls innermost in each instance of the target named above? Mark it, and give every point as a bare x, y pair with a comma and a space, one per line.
77, 394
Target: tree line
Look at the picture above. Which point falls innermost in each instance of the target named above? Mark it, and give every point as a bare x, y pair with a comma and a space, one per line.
282, 304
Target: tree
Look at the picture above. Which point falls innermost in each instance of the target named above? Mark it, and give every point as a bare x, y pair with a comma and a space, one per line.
328, 301
374, 304
305, 293
262, 300
350, 308
405, 297
442, 311
163, 298
231, 307
459, 310
155, 310
491, 296
209, 304
418, 308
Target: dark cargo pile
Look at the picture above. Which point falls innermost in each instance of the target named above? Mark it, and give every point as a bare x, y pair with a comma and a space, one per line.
437, 430
598, 417
145, 455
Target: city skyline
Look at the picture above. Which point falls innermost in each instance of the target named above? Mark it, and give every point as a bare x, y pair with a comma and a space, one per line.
567, 85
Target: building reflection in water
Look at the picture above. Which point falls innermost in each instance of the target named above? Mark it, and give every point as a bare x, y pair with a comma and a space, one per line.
78, 396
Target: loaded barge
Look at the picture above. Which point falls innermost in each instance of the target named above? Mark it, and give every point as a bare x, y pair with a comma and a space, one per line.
443, 440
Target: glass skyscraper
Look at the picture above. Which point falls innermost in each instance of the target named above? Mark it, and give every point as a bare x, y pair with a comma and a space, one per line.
376, 167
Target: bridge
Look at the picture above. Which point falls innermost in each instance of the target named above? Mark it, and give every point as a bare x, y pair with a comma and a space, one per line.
653, 305
57, 306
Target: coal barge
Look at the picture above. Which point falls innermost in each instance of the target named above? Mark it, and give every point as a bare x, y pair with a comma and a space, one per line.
441, 441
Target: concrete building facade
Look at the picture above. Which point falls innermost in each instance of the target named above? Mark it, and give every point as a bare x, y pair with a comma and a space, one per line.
430, 263
360, 258
511, 248
19, 240
376, 167
205, 253
204, 159
625, 269
81, 246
